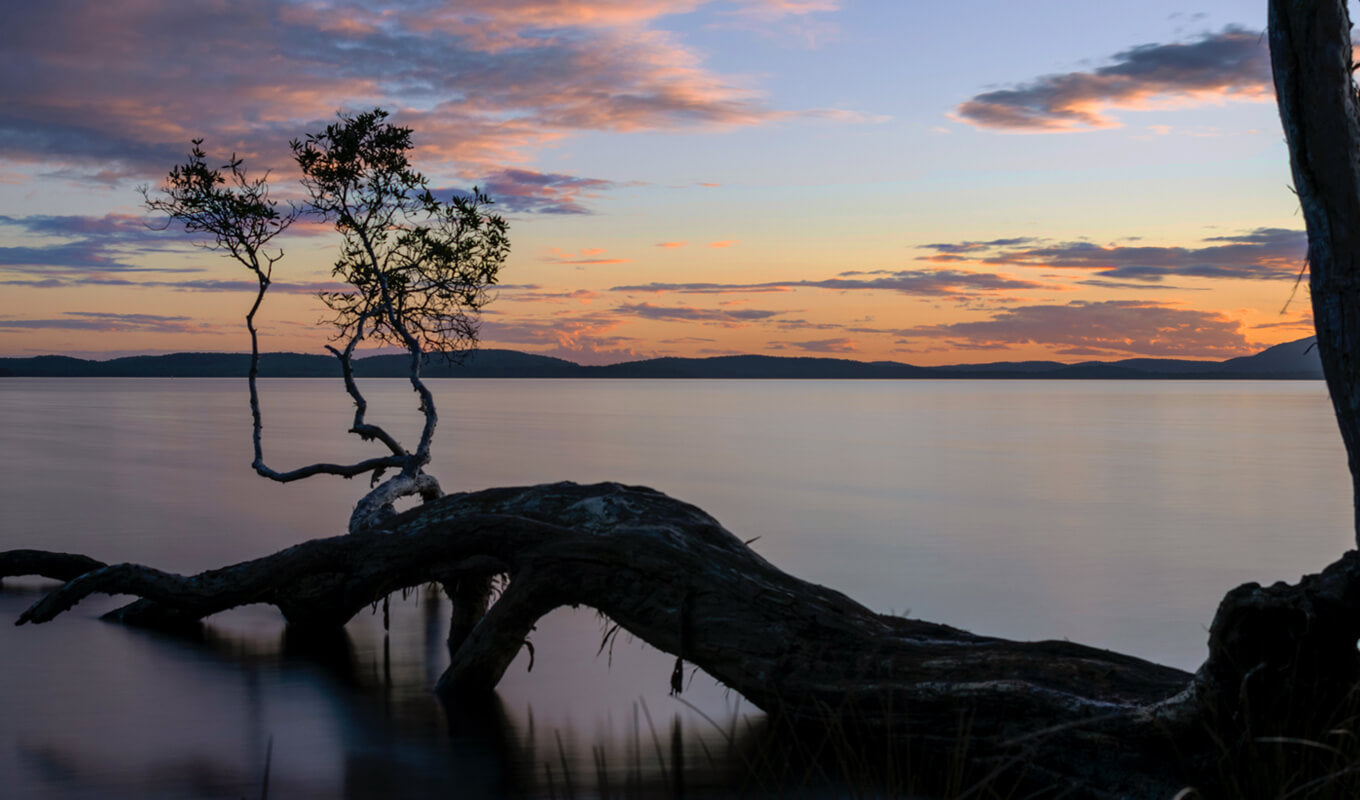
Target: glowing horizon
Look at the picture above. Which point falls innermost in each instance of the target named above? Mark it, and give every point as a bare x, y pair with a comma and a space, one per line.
684, 177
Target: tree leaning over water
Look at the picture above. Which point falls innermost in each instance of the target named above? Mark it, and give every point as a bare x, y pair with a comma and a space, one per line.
418, 269
1273, 712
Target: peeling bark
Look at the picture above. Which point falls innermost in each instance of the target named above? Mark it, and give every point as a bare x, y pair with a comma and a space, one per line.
379, 505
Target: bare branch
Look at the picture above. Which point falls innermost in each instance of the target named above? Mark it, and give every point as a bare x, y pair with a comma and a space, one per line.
419, 266
343, 470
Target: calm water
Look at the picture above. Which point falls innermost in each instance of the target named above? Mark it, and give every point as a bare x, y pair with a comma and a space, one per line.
1112, 513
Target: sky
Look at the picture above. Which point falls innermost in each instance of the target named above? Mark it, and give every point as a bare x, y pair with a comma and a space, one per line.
907, 180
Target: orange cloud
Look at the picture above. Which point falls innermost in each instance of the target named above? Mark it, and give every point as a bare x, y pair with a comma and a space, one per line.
670, 245
724, 243
587, 257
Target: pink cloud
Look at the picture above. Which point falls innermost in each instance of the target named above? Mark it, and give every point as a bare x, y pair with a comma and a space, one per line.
724, 317
543, 192
484, 83
1113, 327
1230, 65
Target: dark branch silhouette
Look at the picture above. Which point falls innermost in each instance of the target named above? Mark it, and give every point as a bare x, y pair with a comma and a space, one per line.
419, 267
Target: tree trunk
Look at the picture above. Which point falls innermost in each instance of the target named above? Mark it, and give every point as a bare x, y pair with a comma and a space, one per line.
1310, 55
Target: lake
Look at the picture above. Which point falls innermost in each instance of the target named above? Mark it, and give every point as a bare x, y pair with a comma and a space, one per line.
1111, 513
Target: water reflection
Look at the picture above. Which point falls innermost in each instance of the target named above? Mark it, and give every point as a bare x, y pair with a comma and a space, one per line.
116, 712
1115, 514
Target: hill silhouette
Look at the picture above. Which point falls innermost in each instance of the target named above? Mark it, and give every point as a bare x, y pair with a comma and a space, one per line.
1296, 360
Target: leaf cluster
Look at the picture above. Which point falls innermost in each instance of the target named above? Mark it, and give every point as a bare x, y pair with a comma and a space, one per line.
226, 204
419, 267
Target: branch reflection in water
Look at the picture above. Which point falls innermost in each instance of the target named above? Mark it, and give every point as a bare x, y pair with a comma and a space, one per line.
350, 714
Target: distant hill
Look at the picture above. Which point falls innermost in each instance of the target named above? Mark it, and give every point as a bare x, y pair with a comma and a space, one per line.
1290, 361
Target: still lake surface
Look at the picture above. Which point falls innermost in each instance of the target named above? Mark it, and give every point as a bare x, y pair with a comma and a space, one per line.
1110, 513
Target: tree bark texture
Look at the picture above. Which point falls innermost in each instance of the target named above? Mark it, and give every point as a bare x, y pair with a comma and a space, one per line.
1310, 55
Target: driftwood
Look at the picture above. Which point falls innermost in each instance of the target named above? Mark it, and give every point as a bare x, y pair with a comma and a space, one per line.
1056, 713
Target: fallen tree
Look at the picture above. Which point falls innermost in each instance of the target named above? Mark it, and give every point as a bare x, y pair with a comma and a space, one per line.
1057, 713
674, 577
1259, 718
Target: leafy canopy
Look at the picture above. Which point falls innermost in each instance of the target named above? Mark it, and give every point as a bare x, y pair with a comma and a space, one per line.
419, 268
235, 210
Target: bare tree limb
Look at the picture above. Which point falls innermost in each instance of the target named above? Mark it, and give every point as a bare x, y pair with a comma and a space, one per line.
58, 566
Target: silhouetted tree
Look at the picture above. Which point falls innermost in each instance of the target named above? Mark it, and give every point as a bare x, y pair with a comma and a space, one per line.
418, 268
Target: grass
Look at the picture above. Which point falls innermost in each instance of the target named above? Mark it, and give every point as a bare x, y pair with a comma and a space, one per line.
763, 758
754, 757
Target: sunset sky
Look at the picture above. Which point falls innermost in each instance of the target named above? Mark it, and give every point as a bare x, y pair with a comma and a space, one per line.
929, 182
